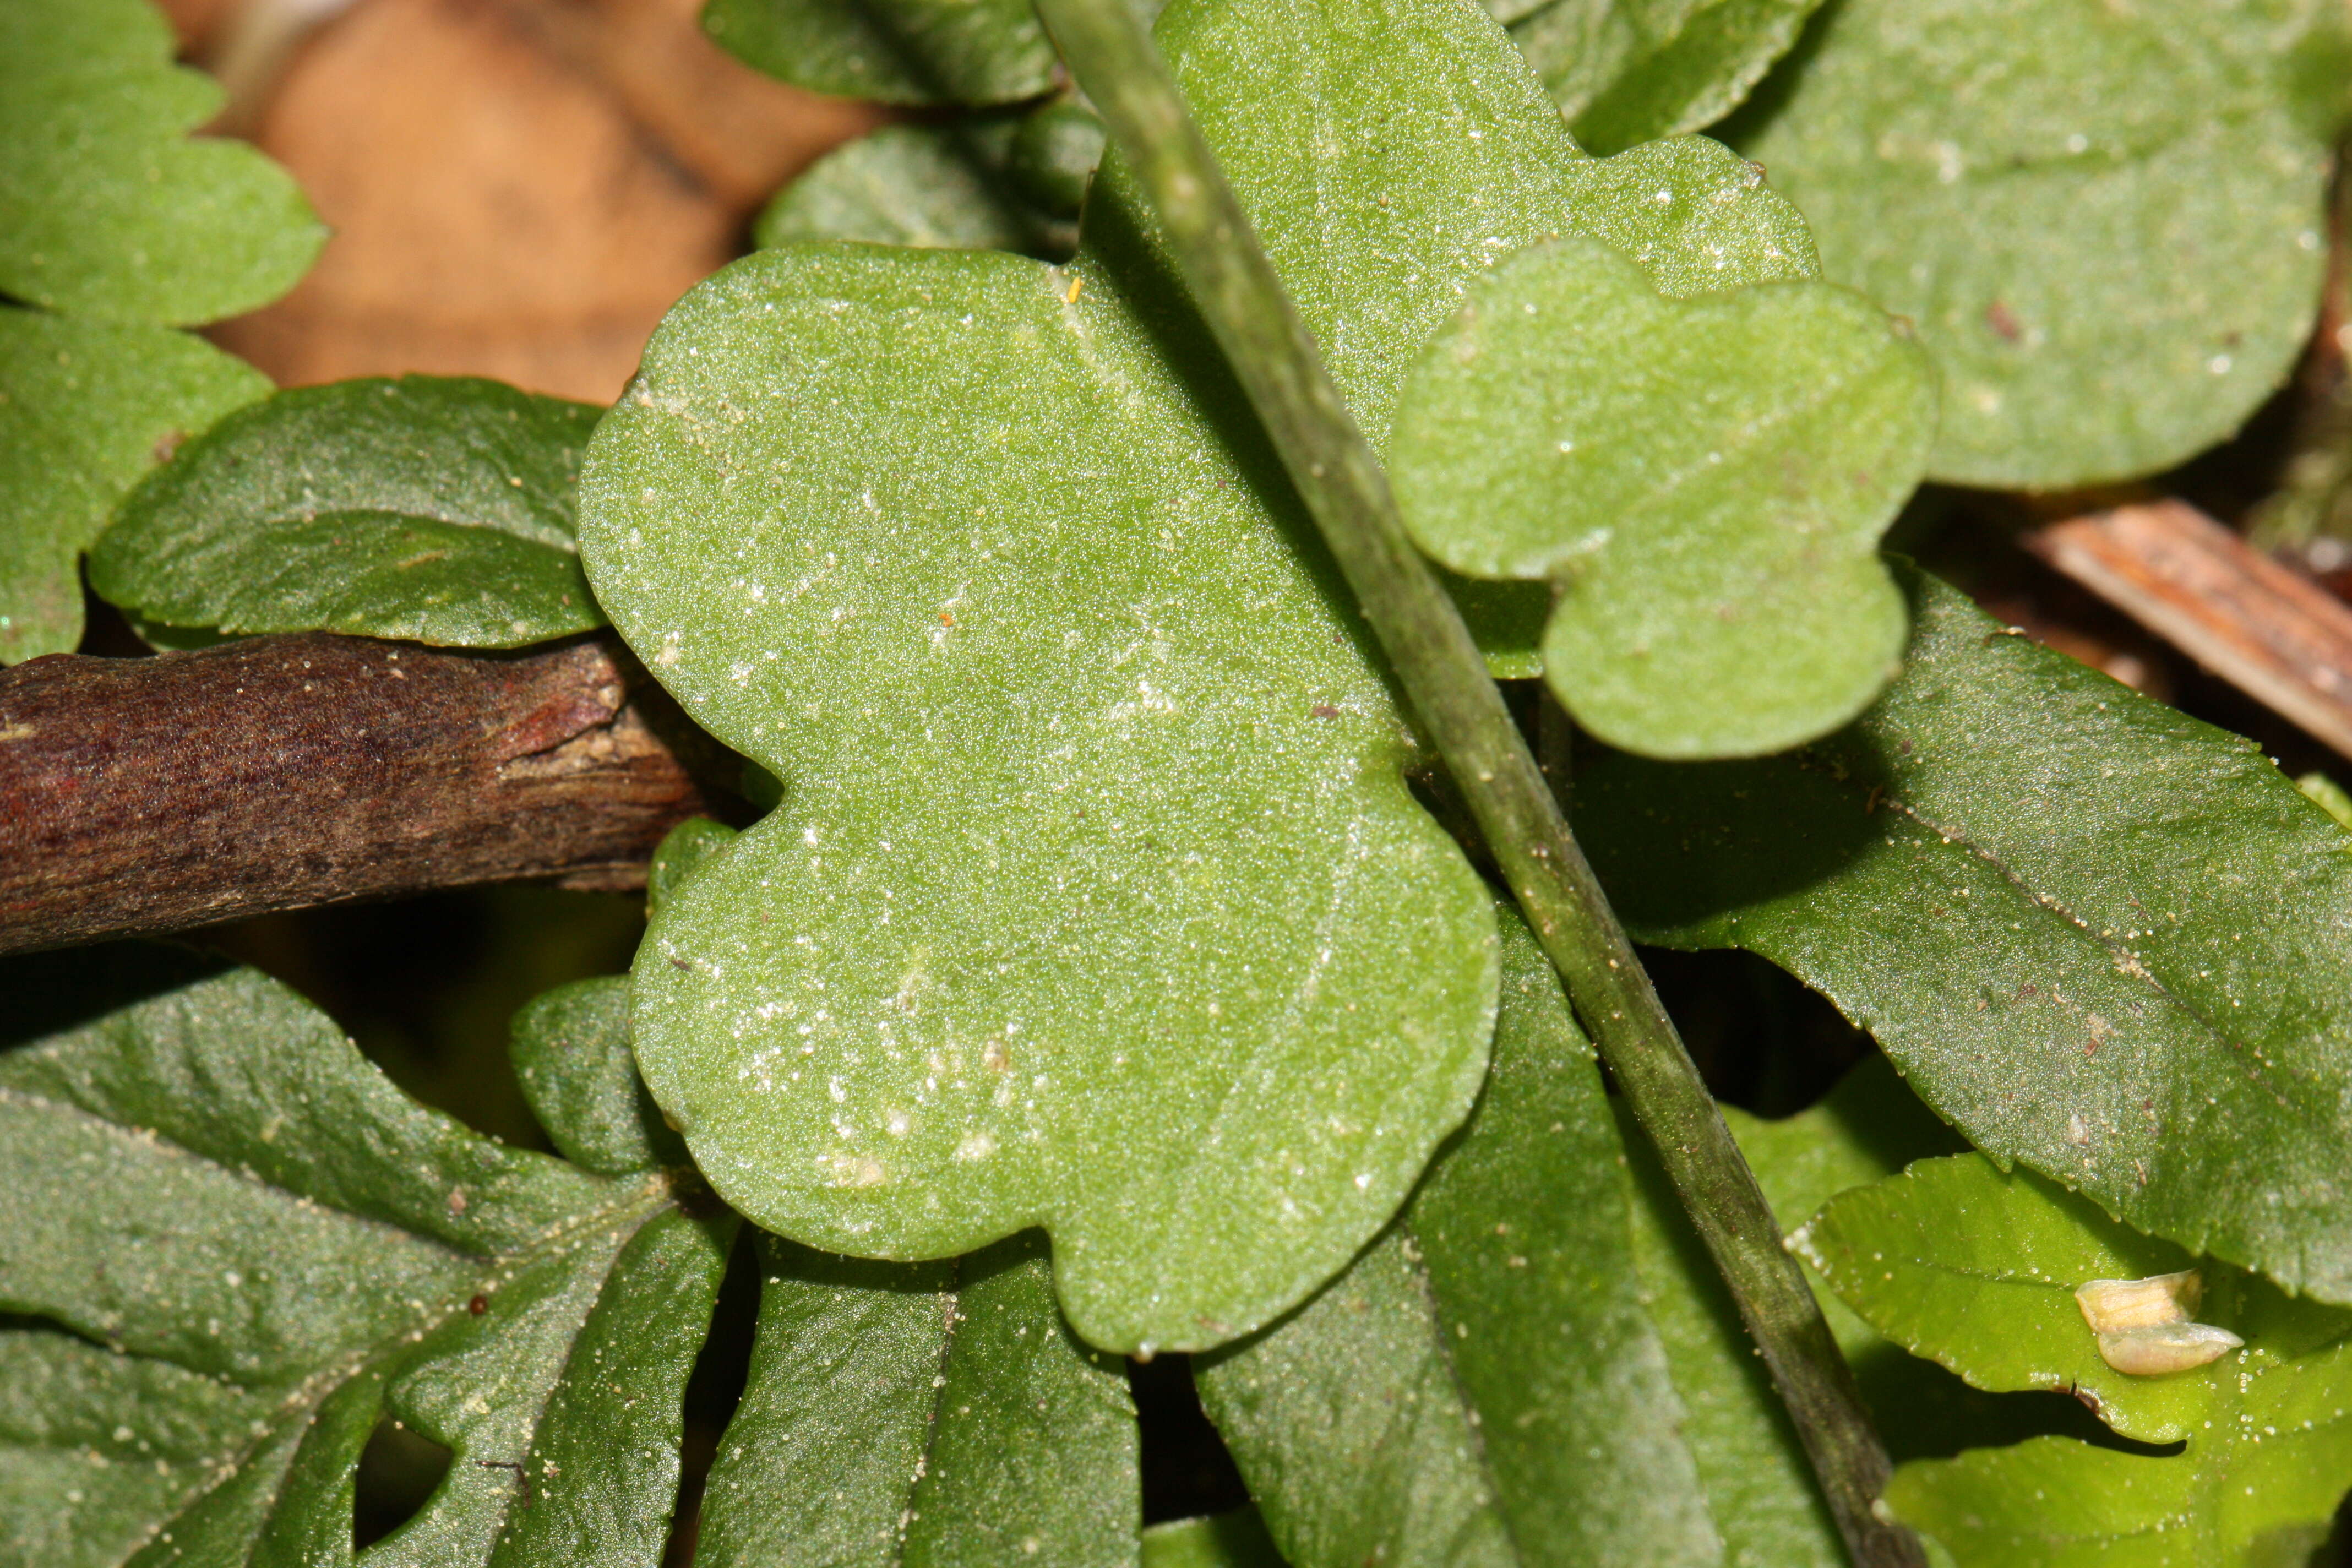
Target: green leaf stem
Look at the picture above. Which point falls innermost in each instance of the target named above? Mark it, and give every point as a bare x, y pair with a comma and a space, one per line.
1705, 490
2099, 937
438, 509
1482, 1386
232, 1247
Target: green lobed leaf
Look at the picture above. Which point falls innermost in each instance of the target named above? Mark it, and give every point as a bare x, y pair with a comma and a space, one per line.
112, 211
994, 182
86, 408
1095, 795
1629, 72
1705, 491
929, 1415
2099, 937
1977, 1268
434, 509
2106, 221
239, 1247
1482, 1386
892, 51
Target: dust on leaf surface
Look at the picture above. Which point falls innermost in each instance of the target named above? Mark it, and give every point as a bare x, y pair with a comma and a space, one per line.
979, 556
439, 510
86, 407
1977, 1268
1483, 1385
923, 1415
2107, 222
1705, 490
114, 212
2099, 937
230, 1247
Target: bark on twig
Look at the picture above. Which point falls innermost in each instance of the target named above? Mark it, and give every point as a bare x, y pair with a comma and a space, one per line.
2279, 637
148, 795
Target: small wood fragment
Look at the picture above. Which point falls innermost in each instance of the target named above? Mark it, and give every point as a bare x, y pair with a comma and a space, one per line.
2279, 637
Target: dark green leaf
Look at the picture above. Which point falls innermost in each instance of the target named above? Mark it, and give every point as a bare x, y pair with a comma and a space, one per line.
1977, 1268
946, 186
1482, 1386
2099, 937
2106, 220
1707, 490
1629, 72
892, 51
112, 210
86, 407
1095, 855
571, 1052
931, 1415
243, 1246
438, 509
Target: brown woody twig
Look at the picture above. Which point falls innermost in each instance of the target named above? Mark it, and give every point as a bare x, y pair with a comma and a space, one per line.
2276, 636
156, 794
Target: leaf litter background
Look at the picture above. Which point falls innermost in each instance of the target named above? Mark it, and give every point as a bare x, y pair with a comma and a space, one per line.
519, 189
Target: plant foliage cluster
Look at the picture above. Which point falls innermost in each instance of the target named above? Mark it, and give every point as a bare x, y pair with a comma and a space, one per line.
1107, 978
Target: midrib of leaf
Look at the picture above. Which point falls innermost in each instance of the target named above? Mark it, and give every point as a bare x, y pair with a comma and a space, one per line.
2122, 957
1463, 1397
1751, 434
657, 1191
949, 1334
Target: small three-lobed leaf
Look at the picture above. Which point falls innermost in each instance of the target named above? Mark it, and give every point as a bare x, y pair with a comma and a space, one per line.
434, 509
1704, 480
232, 1247
1082, 905
892, 51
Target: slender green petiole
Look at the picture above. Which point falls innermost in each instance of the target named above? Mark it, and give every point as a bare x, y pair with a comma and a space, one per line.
1114, 60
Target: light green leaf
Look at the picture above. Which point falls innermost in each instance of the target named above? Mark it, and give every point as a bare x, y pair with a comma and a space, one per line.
1235, 1539
1978, 1269
1095, 797
570, 1053
996, 181
244, 1246
111, 210
1704, 480
2099, 937
434, 509
2106, 221
1482, 1386
86, 407
1629, 72
933, 1416
892, 51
